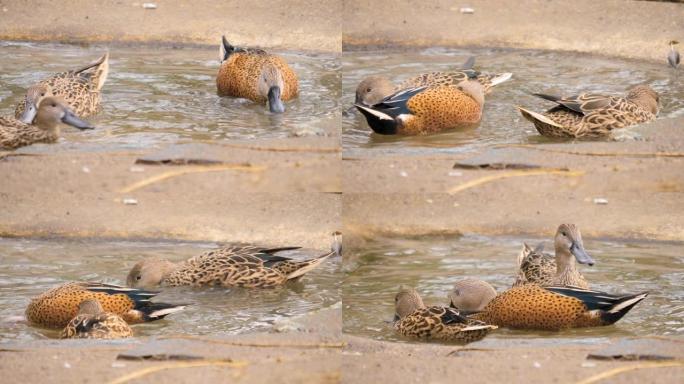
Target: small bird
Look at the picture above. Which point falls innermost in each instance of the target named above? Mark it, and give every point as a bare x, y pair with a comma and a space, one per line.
593, 115
673, 57
413, 319
45, 126
80, 89
531, 306
534, 266
92, 322
336, 245
57, 306
236, 266
256, 75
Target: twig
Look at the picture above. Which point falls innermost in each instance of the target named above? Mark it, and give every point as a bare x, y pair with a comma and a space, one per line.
519, 173
205, 363
604, 154
257, 345
617, 371
194, 169
4, 154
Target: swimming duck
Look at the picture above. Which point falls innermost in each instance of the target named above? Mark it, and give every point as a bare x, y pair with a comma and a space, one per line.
239, 266
80, 88
534, 266
373, 89
57, 306
673, 57
531, 306
413, 319
256, 75
593, 115
45, 127
425, 110
92, 322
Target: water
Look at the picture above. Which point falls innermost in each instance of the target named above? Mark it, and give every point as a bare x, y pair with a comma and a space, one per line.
533, 71
29, 267
156, 95
433, 265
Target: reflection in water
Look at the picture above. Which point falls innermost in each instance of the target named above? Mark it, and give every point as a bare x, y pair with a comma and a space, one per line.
160, 95
433, 265
533, 71
29, 267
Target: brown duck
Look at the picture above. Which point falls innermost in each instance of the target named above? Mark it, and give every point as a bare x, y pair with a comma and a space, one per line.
237, 266
56, 307
45, 126
92, 322
413, 319
80, 88
533, 307
256, 75
592, 115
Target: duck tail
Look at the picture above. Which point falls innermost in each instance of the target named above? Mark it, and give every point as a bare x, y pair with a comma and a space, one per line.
499, 78
156, 311
379, 122
548, 97
99, 75
306, 266
621, 307
225, 50
537, 118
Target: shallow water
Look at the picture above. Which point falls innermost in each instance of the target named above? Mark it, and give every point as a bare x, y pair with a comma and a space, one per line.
156, 95
29, 267
433, 265
533, 71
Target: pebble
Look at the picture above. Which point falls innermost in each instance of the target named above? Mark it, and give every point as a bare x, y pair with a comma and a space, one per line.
467, 10
130, 201
587, 364
403, 174
455, 173
600, 201
136, 168
149, 6
85, 169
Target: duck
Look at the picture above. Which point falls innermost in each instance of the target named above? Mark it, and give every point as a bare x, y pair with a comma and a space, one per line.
537, 267
80, 88
472, 295
43, 129
533, 307
673, 56
254, 74
92, 322
425, 110
413, 319
593, 115
246, 266
373, 89
56, 307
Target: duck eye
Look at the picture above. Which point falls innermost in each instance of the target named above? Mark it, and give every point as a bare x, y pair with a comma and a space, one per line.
54, 105
42, 94
138, 277
368, 89
564, 234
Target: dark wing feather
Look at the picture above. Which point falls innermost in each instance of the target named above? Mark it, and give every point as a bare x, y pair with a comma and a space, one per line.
592, 299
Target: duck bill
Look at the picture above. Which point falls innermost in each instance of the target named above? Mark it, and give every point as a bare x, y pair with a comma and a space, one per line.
580, 254
275, 105
70, 119
29, 113
396, 318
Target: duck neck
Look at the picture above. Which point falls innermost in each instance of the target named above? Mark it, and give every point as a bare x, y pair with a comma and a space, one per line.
566, 269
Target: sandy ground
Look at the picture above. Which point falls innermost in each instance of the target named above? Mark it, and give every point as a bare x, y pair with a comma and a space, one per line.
289, 24
632, 29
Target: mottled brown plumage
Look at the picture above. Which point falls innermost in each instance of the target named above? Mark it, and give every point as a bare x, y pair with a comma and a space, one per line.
56, 307
425, 110
531, 306
239, 266
45, 127
92, 322
534, 266
592, 115
373, 89
414, 319
80, 88
256, 75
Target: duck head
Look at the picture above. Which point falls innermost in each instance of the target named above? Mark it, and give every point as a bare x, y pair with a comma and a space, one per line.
471, 295
149, 273
54, 110
271, 86
568, 244
34, 95
373, 89
90, 307
406, 302
645, 97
